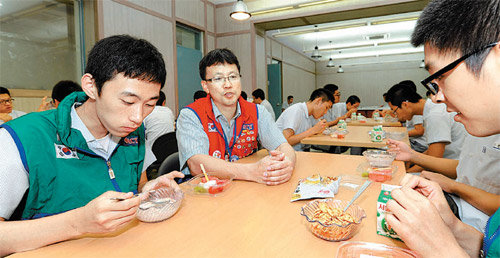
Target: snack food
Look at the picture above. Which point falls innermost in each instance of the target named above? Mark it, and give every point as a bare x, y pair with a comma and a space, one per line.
213, 186
383, 228
328, 221
217, 183
316, 186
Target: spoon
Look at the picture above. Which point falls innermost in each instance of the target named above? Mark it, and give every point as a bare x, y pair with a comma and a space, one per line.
360, 191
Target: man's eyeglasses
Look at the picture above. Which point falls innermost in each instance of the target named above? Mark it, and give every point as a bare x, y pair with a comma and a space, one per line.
219, 80
5, 101
394, 111
336, 95
432, 86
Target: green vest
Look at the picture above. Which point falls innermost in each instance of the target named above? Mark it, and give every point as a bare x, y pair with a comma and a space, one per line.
491, 239
63, 172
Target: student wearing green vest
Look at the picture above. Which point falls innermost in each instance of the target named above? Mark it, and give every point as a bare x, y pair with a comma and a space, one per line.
462, 54
71, 163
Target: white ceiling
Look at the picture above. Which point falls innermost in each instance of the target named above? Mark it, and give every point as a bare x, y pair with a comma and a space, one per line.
390, 38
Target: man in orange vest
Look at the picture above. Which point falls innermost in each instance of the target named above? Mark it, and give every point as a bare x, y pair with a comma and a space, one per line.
222, 128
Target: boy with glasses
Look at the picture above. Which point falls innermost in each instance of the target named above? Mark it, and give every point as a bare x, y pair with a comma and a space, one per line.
222, 128
6, 105
443, 135
451, 30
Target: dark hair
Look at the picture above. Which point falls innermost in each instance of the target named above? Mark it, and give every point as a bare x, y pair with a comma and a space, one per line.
4, 90
331, 87
398, 94
63, 89
353, 99
259, 93
463, 26
289, 97
402, 84
161, 99
217, 56
428, 93
244, 95
135, 58
199, 94
325, 95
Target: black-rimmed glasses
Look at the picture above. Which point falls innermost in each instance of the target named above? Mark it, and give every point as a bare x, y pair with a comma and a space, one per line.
432, 86
5, 101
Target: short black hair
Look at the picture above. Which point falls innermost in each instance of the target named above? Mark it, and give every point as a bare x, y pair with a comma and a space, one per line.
402, 84
199, 94
353, 99
161, 99
428, 93
259, 93
217, 56
398, 94
4, 90
325, 95
63, 89
463, 26
289, 97
331, 87
244, 95
135, 58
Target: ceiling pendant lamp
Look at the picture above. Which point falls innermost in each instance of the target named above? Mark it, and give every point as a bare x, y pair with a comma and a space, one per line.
330, 62
240, 11
422, 64
340, 70
315, 53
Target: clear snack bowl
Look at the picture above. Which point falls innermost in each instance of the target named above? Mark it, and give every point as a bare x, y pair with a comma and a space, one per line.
326, 219
398, 136
160, 205
375, 174
197, 184
379, 158
365, 249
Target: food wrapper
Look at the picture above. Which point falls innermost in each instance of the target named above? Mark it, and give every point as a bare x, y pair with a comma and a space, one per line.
316, 186
383, 227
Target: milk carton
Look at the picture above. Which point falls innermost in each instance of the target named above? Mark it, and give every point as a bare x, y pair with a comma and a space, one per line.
383, 227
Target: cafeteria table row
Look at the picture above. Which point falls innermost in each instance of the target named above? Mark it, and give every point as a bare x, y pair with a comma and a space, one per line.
248, 220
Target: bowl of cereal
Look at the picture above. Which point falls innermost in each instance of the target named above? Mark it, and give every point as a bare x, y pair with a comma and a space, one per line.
159, 205
327, 220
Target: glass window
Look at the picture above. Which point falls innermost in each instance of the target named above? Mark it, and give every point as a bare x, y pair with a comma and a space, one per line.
188, 37
40, 43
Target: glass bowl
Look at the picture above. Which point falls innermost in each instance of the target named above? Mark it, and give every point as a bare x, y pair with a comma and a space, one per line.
326, 219
381, 174
364, 249
221, 182
159, 205
379, 158
398, 136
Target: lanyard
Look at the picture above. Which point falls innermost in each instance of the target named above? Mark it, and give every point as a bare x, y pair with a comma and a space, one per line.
229, 149
488, 241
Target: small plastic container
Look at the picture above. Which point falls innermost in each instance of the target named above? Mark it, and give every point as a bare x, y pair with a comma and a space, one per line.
332, 231
398, 136
197, 185
339, 133
160, 205
377, 174
379, 158
364, 249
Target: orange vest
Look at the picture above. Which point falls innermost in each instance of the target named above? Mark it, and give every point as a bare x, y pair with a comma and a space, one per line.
244, 141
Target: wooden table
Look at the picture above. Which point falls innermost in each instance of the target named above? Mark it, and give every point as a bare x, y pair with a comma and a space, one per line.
372, 122
357, 137
249, 220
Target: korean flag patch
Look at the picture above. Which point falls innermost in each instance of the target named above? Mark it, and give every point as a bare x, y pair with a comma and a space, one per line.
211, 128
63, 152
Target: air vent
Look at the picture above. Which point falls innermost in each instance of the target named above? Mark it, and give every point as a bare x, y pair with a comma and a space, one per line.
376, 36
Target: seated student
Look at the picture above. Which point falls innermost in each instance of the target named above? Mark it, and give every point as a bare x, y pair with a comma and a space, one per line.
222, 128
59, 92
259, 97
296, 122
199, 94
83, 154
463, 63
244, 95
476, 190
443, 135
287, 103
343, 110
6, 105
159, 122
